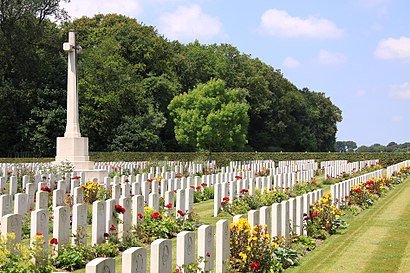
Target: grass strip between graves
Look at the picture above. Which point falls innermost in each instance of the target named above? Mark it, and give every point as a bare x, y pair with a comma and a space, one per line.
377, 240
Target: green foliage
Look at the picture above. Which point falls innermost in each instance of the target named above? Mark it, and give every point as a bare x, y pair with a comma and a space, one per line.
162, 225
391, 147
75, 257
22, 258
203, 193
71, 258
345, 146
211, 117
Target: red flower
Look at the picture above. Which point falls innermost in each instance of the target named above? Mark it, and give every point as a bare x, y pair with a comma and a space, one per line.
347, 196
39, 234
149, 180
223, 203
238, 177
76, 177
155, 215
314, 214
53, 241
126, 180
140, 215
106, 234
226, 199
192, 187
112, 228
255, 265
168, 206
45, 188
198, 188
180, 212
44, 177
175, 191
243, 190
119, 209
204, 185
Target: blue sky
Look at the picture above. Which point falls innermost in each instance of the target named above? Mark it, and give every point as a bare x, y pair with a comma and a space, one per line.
355, 51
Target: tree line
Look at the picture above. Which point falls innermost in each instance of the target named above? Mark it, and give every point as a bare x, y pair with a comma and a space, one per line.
351, 146
128, 76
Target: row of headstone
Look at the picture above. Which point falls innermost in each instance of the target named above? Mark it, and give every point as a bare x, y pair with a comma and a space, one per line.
190, 168
342, 189
396, 167
341, 168
284, 218
213, 251
235, 188
329, 163
368, 163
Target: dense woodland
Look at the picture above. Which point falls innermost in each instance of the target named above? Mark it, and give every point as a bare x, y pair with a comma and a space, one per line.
128, 75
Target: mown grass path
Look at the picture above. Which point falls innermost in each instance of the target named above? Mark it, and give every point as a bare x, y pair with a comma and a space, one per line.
377, 240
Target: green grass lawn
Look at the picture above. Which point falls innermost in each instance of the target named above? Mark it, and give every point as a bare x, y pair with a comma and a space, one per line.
377, 240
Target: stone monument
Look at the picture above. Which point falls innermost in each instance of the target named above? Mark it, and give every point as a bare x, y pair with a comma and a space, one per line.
72, 147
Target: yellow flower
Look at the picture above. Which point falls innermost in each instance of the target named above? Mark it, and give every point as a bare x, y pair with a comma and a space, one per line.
243, 256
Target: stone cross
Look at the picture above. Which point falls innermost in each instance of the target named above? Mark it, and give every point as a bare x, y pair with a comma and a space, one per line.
72, 127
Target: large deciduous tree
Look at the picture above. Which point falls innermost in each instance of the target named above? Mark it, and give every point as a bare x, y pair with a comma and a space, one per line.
30, 54
211, 117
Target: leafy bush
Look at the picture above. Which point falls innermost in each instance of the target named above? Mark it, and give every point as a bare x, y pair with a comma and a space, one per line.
324, 218
21, 258
252, 249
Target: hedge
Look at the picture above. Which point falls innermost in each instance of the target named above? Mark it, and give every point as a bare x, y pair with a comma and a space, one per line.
223, 158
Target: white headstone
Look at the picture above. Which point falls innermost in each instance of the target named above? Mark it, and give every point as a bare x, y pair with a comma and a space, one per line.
161, 256
98, 220
134, 260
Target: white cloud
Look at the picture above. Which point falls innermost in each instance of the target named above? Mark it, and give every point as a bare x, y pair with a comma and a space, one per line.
189, 23
79, 8
360, 93
331, 58
401, 91
291, 62
279, 23
394, 49
397, 118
